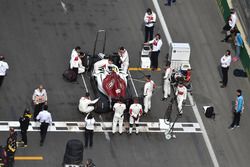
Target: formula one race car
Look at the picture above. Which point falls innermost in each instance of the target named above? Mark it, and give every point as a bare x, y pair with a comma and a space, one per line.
108, 81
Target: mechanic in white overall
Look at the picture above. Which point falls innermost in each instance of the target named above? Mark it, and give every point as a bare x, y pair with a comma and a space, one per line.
123, 53
119, 109
148, 91
135, 111
181, 95
167, 78
84, 104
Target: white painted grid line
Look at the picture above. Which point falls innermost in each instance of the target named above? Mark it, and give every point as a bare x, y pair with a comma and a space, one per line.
105, 127
83, 80
131, 79
64, 6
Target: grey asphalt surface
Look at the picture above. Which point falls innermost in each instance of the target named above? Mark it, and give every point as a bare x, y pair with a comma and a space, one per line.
38, 36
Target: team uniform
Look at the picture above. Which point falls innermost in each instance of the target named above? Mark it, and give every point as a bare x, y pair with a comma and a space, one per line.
166, 86
148, 91
119, 109
181, 93
84, 105
156, 43
24, 125
135, 112
149, 20
124, 60
3, 68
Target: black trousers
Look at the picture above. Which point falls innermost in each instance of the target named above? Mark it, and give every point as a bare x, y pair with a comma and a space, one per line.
76, 72
89, 137
10, 159
154, 59
43, 131
37, 109
24, 136
149, 33
236, 119
1, 80
224, 75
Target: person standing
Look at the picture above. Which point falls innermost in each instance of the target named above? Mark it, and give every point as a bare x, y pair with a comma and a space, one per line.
89, 129
123, 53
11, 147
44, 117
3, 68
149, 20
119, 109
168, 3
135, 112
85, 102
238, 109
230, 25
225, 63
181, 95
167, 78
238, 42
24, 125
156, 43
148, 92
39, 99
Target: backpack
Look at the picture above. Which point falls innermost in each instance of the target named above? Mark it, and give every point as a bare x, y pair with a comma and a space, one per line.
69, 75
209, 112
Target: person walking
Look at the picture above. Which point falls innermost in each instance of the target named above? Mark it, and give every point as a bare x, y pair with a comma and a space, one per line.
149, 20
119, 109
225, 63
167, 78
148, 92
89, 129
11, 147
238, 42
24, 125
230, 25
238, 109
3, 69
39, 99
181, 96
168, 3
135, 112
156, 43
86, 104
44, 117
123, 53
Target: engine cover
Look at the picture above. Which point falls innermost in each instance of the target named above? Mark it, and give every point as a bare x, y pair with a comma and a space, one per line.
114, 85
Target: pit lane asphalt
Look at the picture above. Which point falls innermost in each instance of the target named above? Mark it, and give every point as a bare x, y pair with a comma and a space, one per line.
38, 38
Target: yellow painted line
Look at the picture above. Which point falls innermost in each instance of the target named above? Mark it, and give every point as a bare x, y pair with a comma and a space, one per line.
29, 158
142, 69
